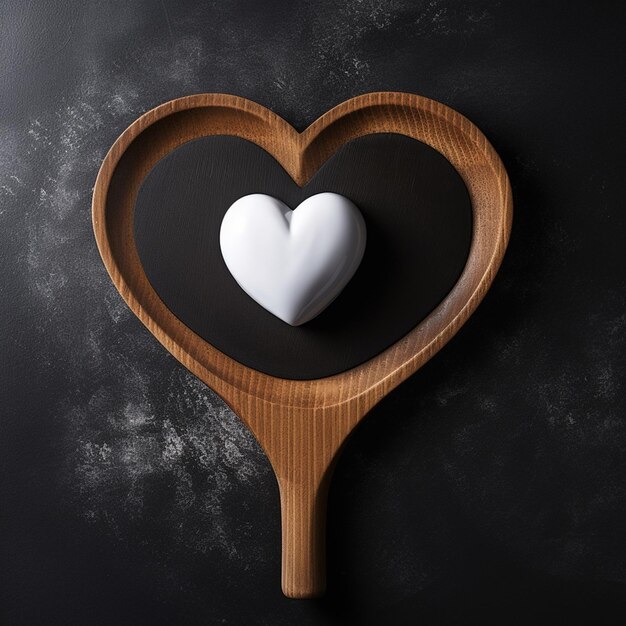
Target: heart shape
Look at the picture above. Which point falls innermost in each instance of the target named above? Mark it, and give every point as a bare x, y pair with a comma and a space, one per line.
419, 232
302, 424
293, 263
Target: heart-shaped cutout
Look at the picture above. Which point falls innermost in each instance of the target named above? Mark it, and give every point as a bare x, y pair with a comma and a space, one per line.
294, 263
419, 217
302, 424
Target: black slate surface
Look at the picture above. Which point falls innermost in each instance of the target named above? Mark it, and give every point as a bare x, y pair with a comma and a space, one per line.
418, 216
489, 488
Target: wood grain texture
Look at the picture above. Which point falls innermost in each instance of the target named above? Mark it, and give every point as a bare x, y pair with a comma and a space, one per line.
302, 424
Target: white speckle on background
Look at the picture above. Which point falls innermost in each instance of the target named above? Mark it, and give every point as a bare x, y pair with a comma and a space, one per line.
129, 444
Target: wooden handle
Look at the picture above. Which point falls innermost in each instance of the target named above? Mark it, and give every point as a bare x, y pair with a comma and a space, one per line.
303, 453
303, 513
302, 444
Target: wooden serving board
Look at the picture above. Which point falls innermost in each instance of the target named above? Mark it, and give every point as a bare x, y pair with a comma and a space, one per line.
301, 422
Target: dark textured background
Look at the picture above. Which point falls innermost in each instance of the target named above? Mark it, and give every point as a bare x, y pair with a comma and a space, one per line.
489, 488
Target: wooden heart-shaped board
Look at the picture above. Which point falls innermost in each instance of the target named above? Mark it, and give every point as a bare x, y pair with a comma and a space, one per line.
301, 422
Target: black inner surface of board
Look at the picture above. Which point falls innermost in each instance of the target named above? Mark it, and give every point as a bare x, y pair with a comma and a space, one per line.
419, 228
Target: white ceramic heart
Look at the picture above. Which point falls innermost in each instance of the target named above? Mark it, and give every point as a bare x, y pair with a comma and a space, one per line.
293, 263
